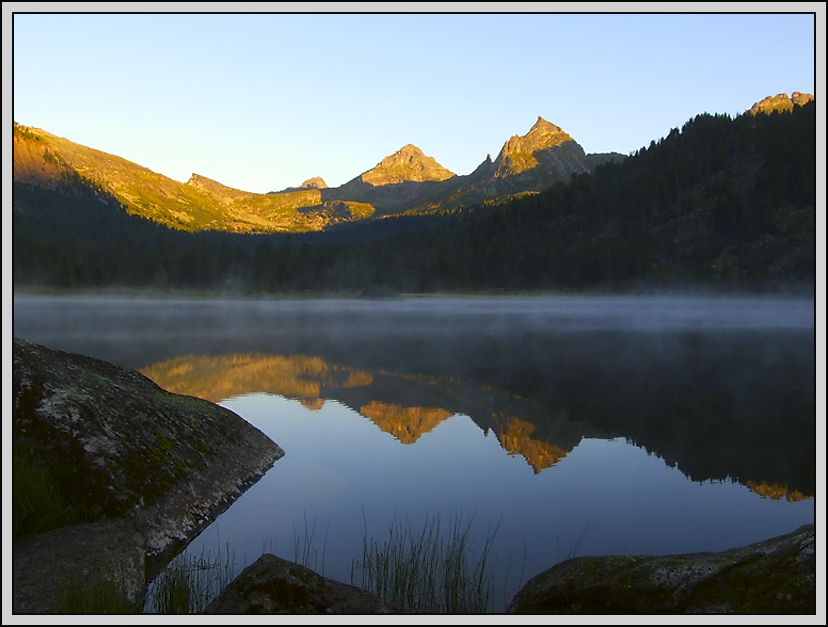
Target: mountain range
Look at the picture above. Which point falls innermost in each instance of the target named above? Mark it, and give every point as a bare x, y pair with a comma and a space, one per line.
720, 201
406, 182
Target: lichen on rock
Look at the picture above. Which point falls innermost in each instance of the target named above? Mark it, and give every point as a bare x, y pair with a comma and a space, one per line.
776, 576
119, 446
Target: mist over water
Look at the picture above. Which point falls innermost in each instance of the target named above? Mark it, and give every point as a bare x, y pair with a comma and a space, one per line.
664, 424
106, 323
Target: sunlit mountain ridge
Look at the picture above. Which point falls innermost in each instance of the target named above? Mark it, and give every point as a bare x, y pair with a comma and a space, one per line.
720, 202
407, 180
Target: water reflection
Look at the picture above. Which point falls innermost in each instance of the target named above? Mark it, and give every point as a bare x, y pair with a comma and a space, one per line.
217, 378
346, 476
312, 381
543, 429
665, 425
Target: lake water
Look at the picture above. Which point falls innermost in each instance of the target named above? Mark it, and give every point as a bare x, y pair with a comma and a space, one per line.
623, 425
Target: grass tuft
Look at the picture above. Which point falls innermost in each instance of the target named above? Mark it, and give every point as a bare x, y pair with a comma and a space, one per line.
38, 503
303, 551
425, 570
189, 583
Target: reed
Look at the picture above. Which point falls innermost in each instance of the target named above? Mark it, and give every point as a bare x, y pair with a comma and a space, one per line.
303, 551
426, 570
189, 583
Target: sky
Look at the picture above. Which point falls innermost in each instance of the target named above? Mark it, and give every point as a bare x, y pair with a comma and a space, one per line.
261, 102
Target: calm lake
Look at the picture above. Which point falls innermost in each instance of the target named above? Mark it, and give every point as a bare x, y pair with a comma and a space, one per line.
593, 425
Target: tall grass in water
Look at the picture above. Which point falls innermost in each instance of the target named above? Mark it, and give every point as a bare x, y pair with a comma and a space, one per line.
428, 571
303, 551
188, 584
573, 548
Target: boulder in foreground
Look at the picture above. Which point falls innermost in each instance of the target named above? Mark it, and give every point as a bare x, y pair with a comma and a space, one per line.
776, 576
272, 585
116, 445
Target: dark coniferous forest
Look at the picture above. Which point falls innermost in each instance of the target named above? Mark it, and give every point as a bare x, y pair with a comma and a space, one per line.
722, 203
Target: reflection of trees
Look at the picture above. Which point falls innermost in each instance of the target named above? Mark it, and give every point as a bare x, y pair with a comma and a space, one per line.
717, 405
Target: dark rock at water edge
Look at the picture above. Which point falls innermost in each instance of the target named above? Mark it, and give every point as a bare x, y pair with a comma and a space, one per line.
272, 585
46, 565
120, 447
776, 576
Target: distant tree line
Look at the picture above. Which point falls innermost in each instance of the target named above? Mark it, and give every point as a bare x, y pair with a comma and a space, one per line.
723, 201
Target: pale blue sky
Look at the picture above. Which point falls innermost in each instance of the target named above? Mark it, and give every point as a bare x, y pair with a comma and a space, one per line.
263, 102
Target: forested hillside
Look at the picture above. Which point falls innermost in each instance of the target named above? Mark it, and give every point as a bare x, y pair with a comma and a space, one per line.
722, 202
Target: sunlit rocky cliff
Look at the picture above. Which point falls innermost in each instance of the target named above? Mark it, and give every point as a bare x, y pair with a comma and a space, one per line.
405, 181
780, 102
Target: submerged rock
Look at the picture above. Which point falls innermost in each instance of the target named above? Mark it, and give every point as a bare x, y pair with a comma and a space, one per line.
272, 585
770, 577
115, 445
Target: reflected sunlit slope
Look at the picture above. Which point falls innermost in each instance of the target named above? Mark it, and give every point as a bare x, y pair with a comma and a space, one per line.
312, 380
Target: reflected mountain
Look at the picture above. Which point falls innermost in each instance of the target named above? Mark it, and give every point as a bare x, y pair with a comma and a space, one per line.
697, 420
218, 378
720, 388
406, 424
516, 439
312, 381
776, 492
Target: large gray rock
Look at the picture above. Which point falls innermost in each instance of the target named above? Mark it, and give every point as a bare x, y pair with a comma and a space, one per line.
117, 446
774, 576
46, 567
272, 585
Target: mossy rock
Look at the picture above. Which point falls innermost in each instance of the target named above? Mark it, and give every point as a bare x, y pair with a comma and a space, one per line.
272, 585
115, 444
776, 576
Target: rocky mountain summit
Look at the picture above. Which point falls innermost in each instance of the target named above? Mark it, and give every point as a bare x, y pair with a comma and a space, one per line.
316, 182
780, 102
526, 164
517, 154
407, 181
403, 183
409, 163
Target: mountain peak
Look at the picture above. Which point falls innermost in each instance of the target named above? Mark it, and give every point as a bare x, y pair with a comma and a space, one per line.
542, 135
409, 163
317, 182
517, 154
780, 102
544, 126
202, 182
